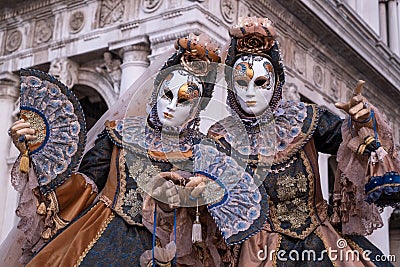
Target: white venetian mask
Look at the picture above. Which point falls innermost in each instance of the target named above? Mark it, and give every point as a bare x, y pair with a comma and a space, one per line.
179, 93
253, 83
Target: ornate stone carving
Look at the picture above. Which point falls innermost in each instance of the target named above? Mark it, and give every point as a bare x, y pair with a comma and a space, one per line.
43, 31
13, 40
65, 70
318, 75
172, 14
76, 21
334, 87
111, 11
228, 10
299, 61
173, 3
111, 70
291, 93
151, 5
244, 11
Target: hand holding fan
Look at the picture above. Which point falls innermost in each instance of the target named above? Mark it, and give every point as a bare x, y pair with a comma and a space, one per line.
55, 114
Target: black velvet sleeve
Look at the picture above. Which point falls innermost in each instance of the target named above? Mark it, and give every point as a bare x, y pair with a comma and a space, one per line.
96, 162
328, 135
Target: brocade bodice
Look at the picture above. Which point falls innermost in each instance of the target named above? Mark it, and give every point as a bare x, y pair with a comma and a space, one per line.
290, 183
125, 159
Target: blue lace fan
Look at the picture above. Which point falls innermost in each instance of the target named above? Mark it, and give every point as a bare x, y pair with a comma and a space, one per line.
58, 119
243, 209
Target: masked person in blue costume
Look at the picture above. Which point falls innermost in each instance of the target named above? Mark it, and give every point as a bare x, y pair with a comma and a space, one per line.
294, 228
94, 218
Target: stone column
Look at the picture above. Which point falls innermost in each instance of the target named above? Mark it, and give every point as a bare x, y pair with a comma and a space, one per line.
393, 27
9, 84
383, 20
134, 62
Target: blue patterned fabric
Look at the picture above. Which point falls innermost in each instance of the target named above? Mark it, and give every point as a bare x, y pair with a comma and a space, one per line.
328, 134
384, 190
120, 244
292, 259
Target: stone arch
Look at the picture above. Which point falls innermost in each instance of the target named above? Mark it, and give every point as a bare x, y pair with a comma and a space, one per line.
94, 80
291, 92
95, 93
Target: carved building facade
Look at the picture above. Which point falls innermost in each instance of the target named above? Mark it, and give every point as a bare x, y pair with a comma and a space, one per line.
100, 47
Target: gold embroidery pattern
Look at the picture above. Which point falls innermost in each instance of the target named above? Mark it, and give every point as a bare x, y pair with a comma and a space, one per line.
37, 124
132, 199
142, 172
327, 247
295, 210
105, 200
355, 246
95, 239
55, 223
121, 195
278, 245
283, 168
291, 208
288, 186
296, 216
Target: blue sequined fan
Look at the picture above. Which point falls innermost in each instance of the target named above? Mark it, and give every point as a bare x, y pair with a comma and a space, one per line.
57, 116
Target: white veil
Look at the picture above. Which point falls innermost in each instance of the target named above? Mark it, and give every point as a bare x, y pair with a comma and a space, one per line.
139, 92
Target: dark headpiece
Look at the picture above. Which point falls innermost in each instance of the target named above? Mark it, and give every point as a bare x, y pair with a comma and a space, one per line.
198, 55
255, 36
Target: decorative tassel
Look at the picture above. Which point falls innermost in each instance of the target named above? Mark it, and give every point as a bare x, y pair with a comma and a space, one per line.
373, 159
46, 234
24, 163
335, 217
41, 209
381, 153
196, 230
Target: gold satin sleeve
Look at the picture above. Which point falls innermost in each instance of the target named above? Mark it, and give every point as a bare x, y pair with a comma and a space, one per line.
74, 196
65, 203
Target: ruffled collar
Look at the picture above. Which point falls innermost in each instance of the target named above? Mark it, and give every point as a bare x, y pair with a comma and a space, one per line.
141, 135
168, 139
289, 118
269, 134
